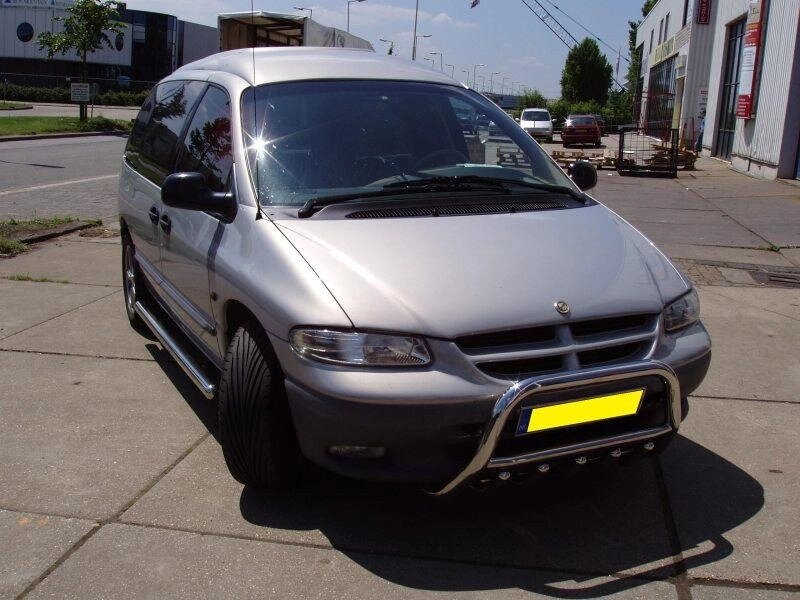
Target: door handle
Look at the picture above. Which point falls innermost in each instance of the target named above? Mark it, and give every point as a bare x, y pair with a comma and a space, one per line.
166, 223
153, 214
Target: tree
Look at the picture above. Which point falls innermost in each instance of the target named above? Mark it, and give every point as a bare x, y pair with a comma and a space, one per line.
532, 99
84, 30
648, 6
586, 74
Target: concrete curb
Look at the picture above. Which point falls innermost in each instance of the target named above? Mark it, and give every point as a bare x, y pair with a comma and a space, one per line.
50, 136
26, 107
66, 229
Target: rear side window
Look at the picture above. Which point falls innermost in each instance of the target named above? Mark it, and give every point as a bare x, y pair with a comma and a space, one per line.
153, 147
206, 147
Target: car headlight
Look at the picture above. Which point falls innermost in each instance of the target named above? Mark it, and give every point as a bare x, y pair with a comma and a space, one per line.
360, 349
684, 311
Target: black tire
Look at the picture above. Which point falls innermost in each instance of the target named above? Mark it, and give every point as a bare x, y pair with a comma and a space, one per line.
133, 286
255, 426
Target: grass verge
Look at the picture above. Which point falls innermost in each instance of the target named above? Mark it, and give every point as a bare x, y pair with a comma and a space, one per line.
35, 125
13, 105
27, 277
12, 231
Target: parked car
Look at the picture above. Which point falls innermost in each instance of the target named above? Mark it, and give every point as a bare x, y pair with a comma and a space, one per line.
601, 123
359, 283
580, 129
537, 122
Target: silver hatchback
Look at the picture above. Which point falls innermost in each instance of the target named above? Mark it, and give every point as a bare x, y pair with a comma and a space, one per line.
362, 282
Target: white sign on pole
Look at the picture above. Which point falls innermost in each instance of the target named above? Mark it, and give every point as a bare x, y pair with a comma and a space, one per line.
79, 92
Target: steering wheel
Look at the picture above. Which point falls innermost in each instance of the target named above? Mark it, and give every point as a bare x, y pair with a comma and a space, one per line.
423, 162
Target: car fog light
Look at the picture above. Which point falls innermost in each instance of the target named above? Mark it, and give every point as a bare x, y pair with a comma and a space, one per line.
504, 476
358, 451
649, 446
616, 453
543, 468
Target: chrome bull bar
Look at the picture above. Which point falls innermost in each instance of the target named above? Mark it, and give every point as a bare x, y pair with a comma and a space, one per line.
524, 390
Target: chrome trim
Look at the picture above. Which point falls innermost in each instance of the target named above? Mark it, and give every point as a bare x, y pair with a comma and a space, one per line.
192, 370
520, 391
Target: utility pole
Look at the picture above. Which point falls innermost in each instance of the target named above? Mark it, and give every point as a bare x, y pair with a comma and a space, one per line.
474, 71
414, 48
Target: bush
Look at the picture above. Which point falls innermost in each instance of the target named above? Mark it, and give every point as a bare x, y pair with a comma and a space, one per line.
61, 94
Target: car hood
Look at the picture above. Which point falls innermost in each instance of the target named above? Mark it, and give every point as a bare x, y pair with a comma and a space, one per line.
539, 124
450, 276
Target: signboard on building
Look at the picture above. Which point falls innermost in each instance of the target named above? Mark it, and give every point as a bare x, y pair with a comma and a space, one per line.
79, 92
663, 51
703, 12
38, 3
747, 74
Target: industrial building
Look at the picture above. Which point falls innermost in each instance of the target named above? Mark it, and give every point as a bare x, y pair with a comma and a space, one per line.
726, 74
151, 46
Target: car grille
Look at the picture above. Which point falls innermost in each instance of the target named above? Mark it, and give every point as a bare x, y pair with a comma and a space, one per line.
520, 353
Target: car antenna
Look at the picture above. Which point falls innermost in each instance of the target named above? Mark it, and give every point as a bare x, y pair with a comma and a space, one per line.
259, 213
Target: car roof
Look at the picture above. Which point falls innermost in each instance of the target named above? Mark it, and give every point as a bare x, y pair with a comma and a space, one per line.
544, 109
258, 66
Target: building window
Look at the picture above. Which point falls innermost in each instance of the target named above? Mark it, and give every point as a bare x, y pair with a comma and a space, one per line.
651, 42
25, 32
660, 30
666, 27
685, 13
119, 42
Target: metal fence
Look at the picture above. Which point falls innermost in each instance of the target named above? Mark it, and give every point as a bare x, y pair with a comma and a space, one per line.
102, 85
647, 151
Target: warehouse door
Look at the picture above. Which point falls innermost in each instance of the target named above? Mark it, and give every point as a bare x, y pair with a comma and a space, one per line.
730, 91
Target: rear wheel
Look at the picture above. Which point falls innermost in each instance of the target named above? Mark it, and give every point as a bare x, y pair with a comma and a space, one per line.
255, 427
132, 284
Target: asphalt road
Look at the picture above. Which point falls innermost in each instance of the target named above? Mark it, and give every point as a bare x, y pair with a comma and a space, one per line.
68, 176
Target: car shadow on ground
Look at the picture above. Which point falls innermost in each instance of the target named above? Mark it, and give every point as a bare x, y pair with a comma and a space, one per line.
560, 537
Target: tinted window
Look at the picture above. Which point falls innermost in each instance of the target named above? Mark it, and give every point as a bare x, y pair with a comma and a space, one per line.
582, 120
157, 144
307, 139
207, 145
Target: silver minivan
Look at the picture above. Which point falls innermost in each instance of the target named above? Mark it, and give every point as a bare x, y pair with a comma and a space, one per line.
361, 282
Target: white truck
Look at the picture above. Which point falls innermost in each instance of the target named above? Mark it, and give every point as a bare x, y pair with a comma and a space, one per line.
262, 29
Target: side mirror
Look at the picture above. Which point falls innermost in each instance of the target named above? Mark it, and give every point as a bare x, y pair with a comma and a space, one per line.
516, 119
583, 174
190, 191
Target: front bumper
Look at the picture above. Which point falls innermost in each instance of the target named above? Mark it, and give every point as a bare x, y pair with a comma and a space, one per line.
431, 421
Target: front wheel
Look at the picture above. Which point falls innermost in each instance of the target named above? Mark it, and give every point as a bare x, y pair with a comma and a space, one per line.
255, 426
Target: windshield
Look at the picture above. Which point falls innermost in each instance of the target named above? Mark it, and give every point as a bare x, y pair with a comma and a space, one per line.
322, 138
535, 115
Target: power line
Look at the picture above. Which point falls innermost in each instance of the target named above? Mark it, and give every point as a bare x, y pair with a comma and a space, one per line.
587, 30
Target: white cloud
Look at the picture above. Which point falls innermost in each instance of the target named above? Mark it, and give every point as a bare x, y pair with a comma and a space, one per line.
528, 61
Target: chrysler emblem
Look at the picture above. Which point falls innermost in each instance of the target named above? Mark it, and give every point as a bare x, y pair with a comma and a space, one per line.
562, 307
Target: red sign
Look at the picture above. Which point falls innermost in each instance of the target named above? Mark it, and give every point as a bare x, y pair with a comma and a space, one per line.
747, 75
703, 12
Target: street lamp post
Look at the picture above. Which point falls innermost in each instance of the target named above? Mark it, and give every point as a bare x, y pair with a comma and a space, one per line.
349, 2
474, 70
503, 84
491, 81
310, 11
452, 70
441, 60
483, 83
467, 72
414, 49
432, 61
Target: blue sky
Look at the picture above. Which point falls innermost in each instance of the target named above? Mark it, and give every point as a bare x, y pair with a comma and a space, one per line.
502, 34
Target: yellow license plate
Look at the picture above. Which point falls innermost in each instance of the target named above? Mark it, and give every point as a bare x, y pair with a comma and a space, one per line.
577, 412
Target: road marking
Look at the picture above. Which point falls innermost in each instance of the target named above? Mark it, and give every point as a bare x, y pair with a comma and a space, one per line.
52, 185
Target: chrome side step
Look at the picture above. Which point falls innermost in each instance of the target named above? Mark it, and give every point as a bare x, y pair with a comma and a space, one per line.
186, 362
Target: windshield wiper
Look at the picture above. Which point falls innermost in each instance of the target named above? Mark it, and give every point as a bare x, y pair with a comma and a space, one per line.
499, 183
464, 183
416, 186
